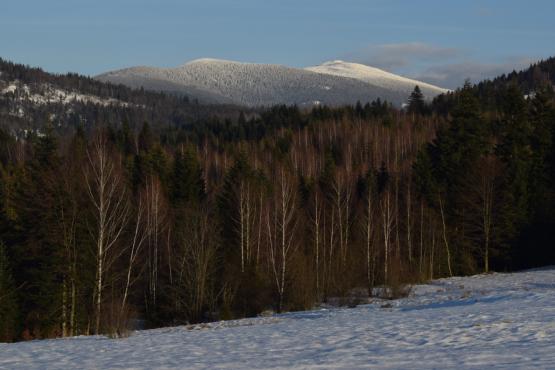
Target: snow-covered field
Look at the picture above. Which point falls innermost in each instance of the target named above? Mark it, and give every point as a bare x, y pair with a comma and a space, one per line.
486, 321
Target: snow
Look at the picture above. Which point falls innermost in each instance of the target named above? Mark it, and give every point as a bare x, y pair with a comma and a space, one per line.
45, 94
376, 77
212, 61
254, 84
10, 89
485, 321
55, 95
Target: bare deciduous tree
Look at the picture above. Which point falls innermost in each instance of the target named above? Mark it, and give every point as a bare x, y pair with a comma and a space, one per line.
369, 233
108, 196
479, 200
140, 233
388, 219
197, 262
281, 224
156, 224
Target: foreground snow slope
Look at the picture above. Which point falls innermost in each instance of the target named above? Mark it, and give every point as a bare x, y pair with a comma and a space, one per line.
485, 321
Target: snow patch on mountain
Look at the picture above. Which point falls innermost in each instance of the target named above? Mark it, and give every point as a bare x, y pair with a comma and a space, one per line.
47, 94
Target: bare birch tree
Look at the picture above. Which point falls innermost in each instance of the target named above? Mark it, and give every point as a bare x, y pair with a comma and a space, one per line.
156, 223
197, 263
108, 196
388, 218
281, 224
369, 233
479, 200
317, 237
140, 233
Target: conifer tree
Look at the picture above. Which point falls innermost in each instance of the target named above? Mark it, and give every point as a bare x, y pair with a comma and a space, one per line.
514, 152
8, 300
187, 178
417, 105
453, 157
37, 260
145, 139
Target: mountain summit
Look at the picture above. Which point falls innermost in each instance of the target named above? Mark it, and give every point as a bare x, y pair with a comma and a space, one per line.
376, 76
253, 84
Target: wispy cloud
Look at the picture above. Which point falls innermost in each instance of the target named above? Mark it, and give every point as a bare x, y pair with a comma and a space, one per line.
443, 66
453, 75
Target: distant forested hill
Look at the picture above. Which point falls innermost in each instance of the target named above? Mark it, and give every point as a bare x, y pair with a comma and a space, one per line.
30, 98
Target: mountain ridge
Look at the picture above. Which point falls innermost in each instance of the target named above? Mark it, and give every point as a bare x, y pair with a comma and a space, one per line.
259, 84
370, 74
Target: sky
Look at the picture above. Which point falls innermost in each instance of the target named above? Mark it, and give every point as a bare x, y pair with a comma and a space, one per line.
441, 42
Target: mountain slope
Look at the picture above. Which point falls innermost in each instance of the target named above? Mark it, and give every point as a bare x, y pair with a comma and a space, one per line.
376, 77
31, 98
251, 84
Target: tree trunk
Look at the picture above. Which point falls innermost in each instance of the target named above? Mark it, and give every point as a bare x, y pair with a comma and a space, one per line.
445, 236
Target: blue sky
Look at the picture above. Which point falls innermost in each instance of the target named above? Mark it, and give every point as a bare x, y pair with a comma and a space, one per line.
442, 42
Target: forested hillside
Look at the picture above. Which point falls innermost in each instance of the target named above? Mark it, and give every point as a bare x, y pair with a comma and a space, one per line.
116, 219
31, 99
537, 77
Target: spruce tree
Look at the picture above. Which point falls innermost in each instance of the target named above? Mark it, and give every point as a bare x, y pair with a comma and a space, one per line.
514, 151
145, 139
417, 105
443, 170
187, 179
38, 256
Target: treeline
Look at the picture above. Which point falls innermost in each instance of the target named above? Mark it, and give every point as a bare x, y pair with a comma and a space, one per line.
107, 225
539, 76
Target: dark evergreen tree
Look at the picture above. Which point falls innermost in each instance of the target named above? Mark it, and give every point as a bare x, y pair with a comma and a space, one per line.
145, 138
443, 172
242, 121
382, 178
9, 310
417, 105
514, 151
125, 139
37, 257
530, 179
187, 178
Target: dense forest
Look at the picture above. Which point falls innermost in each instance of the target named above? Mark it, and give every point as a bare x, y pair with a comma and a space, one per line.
114, 222
37, 100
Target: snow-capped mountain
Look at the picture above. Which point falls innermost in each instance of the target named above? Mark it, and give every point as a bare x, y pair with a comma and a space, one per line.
252, 84
377, 77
